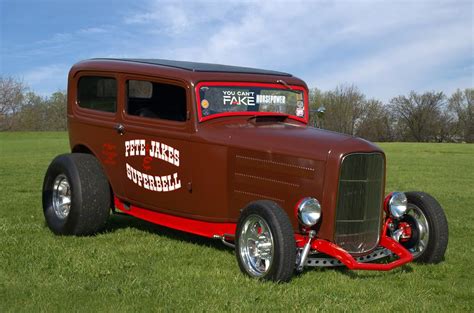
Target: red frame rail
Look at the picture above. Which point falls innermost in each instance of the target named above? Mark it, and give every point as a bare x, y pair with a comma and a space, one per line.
208, 229
404, 256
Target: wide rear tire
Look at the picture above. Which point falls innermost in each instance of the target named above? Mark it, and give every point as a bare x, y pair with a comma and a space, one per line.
76, 195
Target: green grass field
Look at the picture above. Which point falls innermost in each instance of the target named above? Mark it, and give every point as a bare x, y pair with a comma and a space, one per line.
137, 266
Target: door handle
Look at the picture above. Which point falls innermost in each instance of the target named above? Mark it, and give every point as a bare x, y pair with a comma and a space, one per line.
120, 129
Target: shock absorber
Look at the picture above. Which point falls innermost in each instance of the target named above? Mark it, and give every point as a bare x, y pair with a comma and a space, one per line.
305, 252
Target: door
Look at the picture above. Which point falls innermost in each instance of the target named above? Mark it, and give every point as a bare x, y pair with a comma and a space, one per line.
95, 108
156, 145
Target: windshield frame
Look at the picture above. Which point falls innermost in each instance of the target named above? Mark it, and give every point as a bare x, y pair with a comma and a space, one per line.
201, 118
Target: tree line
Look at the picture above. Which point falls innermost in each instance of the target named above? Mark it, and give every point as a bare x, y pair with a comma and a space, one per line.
24, 110
422, 117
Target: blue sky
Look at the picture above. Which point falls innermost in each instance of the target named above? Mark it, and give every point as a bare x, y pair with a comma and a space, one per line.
386, 48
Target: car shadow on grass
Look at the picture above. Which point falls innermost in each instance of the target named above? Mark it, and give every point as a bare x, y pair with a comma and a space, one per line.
119, 221
122, 221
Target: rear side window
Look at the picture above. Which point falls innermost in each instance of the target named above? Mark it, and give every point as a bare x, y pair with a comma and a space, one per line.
97, 93
156, 100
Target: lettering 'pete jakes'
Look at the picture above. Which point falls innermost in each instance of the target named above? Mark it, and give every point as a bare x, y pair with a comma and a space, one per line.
137, 147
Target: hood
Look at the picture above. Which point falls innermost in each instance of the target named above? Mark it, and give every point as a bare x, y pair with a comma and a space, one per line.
282, 137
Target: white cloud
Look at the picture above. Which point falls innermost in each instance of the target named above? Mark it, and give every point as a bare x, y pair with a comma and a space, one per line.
92, 30
55, 39
419, 61
47, 79
171, 18
386, 48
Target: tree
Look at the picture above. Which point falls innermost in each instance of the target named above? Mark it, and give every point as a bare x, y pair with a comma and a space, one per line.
42, 113
11, 100
419, 116
57, 107
344, 108
32, 113
375, 123
461, 103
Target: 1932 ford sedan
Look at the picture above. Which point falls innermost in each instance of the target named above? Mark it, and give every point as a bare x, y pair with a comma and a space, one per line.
225, 152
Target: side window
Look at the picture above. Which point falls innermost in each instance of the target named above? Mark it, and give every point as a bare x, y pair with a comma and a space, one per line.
156, 100
97, 93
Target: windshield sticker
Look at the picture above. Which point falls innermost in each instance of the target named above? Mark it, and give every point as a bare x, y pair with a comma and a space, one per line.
252, 99
299, 112
205, 104
149, 152
271, 99
232, 97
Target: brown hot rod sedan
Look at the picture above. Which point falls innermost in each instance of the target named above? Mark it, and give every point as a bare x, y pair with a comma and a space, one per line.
226, 152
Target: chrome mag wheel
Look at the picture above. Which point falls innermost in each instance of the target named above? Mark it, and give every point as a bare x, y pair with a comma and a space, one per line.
256, 246
422, 228
61, 196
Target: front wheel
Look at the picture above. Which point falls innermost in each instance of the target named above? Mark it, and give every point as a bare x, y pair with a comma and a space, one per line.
265, 245
429, 228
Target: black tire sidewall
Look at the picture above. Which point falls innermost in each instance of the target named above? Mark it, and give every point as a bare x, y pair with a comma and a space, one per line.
437, 223
62, 165
90, 195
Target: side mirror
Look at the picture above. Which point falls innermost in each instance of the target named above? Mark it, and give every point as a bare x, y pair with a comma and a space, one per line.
321, 110
319, 116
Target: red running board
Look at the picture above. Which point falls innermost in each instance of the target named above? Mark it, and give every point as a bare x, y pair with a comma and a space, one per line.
205, 229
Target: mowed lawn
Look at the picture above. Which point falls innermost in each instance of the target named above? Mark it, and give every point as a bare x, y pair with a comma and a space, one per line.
136, 266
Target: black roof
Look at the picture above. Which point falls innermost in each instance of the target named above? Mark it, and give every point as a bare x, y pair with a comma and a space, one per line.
202, 67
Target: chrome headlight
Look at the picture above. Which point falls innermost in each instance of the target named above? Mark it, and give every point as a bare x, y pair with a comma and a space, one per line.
397, 204
309, 211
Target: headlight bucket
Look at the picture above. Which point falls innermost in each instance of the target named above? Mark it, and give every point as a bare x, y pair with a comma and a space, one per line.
398, 204
309, 211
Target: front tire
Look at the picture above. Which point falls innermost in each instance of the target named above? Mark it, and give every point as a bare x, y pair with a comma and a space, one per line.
429, 228
265, 245
76, 195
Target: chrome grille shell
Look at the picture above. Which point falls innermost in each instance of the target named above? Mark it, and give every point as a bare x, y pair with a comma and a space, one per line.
359, 202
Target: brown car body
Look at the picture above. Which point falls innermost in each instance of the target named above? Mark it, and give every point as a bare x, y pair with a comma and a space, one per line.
226, 152
225, 163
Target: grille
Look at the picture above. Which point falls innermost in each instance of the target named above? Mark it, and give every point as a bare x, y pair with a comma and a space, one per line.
359, 202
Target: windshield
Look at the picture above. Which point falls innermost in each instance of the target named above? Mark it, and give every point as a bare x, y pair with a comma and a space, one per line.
224, 99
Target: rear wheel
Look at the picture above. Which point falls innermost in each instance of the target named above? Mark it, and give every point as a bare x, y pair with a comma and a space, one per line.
265, 244
429, 228
76, 195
